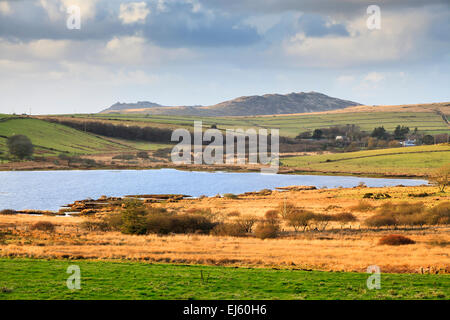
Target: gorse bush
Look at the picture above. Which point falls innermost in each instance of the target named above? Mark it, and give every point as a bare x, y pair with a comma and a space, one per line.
395, 240
8, 211
43, 226
362, 206
91, 225
230, 229
164, 224
439, 214
410, 214
135, 218
266, 230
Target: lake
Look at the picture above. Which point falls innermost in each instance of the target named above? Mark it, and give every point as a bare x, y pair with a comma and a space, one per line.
49, 190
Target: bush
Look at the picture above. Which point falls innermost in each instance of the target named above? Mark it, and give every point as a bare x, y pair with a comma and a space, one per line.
395, 240
272, 216
164, 224
286, 208
142, 155
43, 226
8, 212
439, 214
380, 221
247, 222
230, 196
229, 229
300, 218
124, 157
344, 217
265, 230
133, 219
322, 219
362, 206
95, 225
234, 214
20, 146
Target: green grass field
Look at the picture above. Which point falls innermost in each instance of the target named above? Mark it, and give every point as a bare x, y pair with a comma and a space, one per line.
410, 160
46, 279
292, 125
52, 139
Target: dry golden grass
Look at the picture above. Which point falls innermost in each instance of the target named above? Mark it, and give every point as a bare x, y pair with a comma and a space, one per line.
338, 250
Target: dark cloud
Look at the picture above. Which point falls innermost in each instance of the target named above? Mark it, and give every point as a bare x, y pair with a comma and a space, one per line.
178, 26
341, 7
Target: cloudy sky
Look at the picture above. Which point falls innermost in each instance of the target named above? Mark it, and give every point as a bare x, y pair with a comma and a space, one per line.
190, 52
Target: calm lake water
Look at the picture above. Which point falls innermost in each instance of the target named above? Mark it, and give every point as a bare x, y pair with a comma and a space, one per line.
49, 190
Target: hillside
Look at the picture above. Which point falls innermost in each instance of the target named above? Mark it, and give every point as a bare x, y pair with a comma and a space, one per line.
413, 161
52, 139
267, 104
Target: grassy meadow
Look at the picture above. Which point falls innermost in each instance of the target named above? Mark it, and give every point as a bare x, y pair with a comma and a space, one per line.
290, 125
51, 139
46, 279
416, 161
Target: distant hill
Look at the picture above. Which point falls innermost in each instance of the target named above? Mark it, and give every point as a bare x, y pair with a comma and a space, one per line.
303, 102
124, 106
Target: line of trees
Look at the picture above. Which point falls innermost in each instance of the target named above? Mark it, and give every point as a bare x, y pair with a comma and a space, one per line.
150, 134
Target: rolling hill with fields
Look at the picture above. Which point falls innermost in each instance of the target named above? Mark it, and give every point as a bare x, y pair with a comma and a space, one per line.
51, 139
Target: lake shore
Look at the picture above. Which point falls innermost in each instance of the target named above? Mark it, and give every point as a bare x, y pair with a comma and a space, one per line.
351, 248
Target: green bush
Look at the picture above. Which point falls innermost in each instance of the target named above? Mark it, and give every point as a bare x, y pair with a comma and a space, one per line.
20, 146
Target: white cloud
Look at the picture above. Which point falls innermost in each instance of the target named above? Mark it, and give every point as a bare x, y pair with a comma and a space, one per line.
374, 77
400, 36
5, 8
57, 9
133, 12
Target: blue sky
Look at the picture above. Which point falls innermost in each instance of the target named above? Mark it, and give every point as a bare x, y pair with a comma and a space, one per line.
201, 52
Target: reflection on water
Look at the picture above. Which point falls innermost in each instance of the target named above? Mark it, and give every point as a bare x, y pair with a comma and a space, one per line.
49, 190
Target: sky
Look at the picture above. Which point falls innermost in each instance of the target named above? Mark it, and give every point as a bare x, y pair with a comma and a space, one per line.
202, 52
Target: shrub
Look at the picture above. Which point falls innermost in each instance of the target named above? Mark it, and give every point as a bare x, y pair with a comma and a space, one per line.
322, 219
441, 177
439, 214
123, 157
401, 208
43, 226
272, 216
286, 208
133, 217
8, 211
344, 217
230, 196
395, 240
20, 146
164, 224
300, 218
265, 230
142, 155
95, 225
234, 214
247, 222
380, 221
362, 206
229, 229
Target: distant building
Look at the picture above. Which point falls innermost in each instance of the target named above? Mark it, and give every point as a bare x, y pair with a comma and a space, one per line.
409, 143
339, 138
